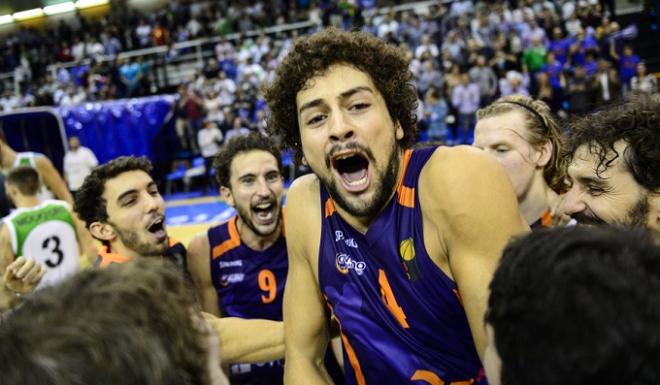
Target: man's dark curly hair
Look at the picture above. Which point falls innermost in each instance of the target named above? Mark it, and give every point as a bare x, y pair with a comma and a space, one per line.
240, 144
576, 305
637, 122
311, 56
89, 202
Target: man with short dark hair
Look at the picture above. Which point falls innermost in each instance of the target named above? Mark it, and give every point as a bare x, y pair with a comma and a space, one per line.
614, 165
575, 306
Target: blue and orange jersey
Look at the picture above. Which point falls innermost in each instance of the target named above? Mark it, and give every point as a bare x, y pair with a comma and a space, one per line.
400, 315
544, 222
250, 284
176, 252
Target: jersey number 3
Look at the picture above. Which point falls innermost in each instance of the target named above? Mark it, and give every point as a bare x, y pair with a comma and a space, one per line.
58, 254
268, 284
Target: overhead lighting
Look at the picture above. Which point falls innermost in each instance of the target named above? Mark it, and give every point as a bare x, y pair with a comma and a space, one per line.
90, 3
29, 14
6, 19
59, 8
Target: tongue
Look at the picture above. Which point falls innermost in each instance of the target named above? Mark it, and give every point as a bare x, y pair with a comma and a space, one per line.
354, 175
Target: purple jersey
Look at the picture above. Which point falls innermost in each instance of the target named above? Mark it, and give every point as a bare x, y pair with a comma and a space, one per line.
250, 284
401, 317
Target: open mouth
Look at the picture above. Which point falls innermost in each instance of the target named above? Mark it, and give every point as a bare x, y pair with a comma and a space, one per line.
353, 170
157, 229
264, 212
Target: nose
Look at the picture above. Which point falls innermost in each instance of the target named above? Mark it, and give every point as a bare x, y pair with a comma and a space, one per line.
340, 128
573, 202
152, 203
263, 189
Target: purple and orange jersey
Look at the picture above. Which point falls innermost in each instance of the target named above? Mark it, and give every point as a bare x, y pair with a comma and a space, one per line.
401, 317
250, 284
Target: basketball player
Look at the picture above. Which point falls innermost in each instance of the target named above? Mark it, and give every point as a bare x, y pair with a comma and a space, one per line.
240, 267
522, 135
43, 231
51, 182
122, 208
575, 306
121, 205
614, 165
400, 244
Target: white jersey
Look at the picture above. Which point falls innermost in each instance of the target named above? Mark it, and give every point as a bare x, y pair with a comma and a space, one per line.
46, 233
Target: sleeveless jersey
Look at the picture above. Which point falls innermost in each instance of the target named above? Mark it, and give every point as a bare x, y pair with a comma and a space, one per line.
47, 234
30, 159
250, 284
544, 222
401, 317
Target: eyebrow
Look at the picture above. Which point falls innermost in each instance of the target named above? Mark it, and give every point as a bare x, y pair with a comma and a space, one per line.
593, 181
344, 95
133, 191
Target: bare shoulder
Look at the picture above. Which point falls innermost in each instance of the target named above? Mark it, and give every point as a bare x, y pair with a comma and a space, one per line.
456, 173
199, 246
43, 162
303, 215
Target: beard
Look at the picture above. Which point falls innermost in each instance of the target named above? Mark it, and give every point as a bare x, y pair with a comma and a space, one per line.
636, 217
132, 241
383, 188
244, 215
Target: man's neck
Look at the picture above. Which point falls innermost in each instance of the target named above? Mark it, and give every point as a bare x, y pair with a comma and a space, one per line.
539, 198
25, 202
120, 249
255, 241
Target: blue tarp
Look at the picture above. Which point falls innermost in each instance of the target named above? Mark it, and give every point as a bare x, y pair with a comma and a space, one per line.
121, 127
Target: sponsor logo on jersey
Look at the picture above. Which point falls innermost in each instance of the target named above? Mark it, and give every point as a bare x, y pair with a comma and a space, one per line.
408, 259
226, 279
345, 263
236, 263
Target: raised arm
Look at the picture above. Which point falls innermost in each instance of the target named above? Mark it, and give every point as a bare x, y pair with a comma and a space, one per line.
199, 267
53, 179
305, 324
476, 217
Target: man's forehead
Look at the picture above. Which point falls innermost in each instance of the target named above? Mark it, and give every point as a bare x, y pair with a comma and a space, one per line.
588, 160
129, 180
249, 161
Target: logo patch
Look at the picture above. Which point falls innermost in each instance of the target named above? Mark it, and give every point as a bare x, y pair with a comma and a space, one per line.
408, 259
345, 263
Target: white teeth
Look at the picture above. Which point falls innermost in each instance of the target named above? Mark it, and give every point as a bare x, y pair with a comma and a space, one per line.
263, 206
358, 182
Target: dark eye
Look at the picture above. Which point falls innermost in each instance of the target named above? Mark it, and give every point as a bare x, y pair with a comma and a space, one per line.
595, 190
247, 181
501, 150
273, 177
315, 119
359, 106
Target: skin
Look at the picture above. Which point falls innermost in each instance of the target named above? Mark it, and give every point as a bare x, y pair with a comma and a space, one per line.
610, 197
255, 179
133, 203
492, 360
472, 222
503, 136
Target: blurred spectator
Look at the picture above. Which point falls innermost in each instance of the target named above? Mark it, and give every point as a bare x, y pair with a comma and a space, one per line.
514, 83
643, 81
605, 84
579, 92
435, 114
465, 99
237, 129
627, 66
209, 140
485, 78
78, 163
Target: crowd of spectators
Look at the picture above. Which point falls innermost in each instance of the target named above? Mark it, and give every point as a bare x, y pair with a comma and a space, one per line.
464, 54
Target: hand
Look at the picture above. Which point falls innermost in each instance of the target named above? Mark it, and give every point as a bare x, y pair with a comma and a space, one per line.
559, 216
23, 275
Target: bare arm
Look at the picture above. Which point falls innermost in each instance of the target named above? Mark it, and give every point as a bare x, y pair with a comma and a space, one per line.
19, 276
199, 266
248, 340
53, 179
477, 216
305, 327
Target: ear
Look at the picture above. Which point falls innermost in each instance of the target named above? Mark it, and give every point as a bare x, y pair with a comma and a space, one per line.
102, 231
225, 193
545, 153
398, 130
654, 211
